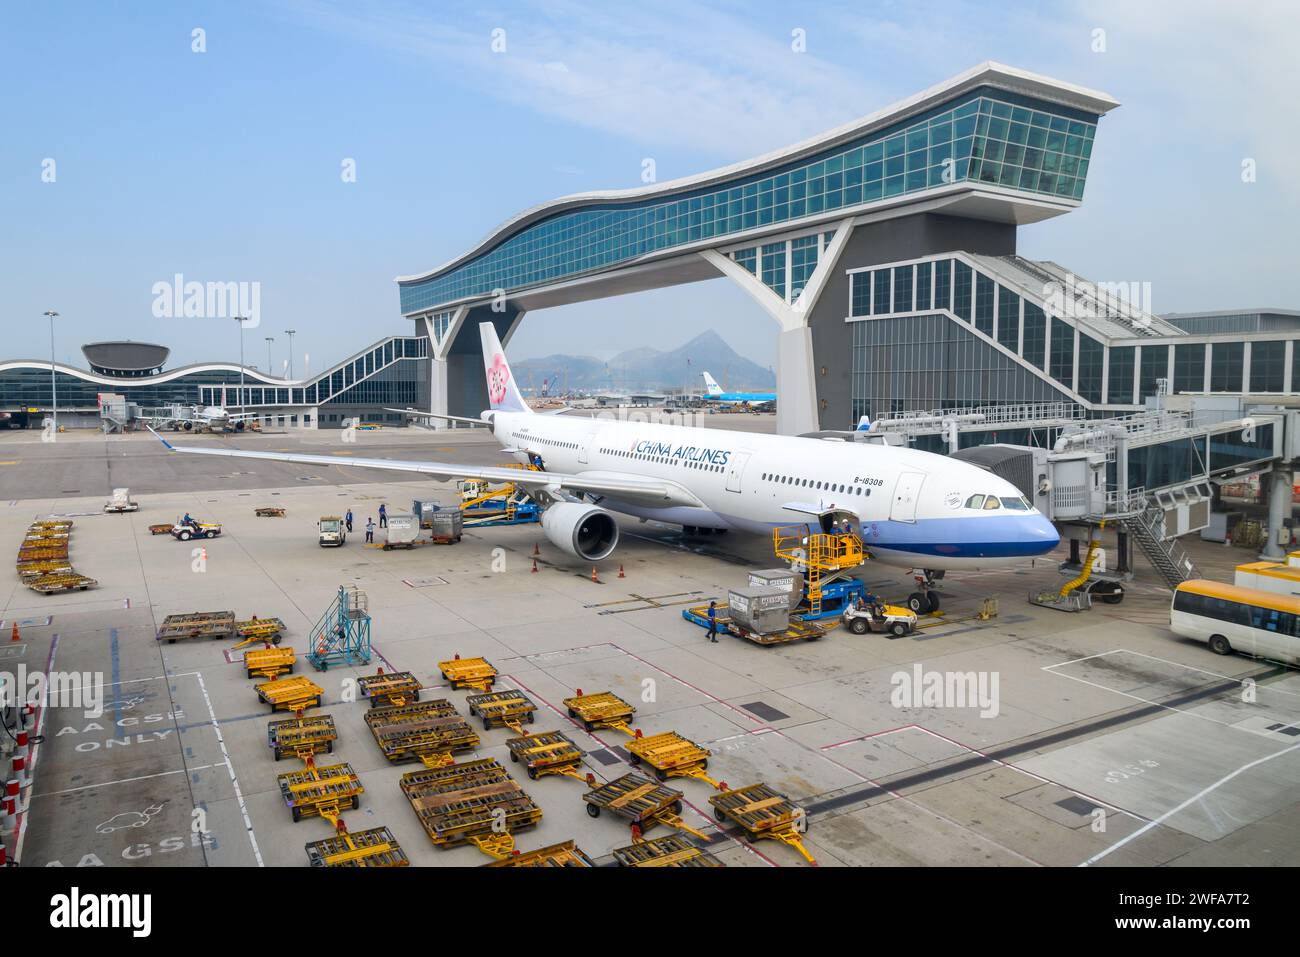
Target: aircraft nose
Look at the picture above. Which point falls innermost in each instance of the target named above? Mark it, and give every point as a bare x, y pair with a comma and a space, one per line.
1038, 534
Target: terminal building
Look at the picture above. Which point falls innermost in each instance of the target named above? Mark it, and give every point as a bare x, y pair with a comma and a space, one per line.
885, 254
394, 372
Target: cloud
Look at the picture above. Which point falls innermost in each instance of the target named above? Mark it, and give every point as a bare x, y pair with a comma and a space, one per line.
671, 76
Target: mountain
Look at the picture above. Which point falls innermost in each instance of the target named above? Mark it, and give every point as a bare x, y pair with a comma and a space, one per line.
646, 368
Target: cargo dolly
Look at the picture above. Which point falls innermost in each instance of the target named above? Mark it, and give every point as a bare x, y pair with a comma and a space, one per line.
161, 529
476, 803
373, 848
320, 791
53, 551
270, 630
64, 581
604, 709
38, 569
800, 629
385, 690
54, 523
505, 709
291, 694
643, 802
566, 854
548, 753
269, 511
199, 624
672, 850
302, 737
476, 673
762, 812
671, 756
269, 662
426, 731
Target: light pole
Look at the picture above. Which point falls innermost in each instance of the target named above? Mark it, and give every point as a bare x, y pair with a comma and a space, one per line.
269, 340
241, 320
290, 333
54, 388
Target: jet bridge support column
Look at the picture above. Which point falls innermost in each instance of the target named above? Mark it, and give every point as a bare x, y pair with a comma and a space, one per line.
1281, 479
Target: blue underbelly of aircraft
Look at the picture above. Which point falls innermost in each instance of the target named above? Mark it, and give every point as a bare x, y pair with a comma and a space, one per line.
1021, 536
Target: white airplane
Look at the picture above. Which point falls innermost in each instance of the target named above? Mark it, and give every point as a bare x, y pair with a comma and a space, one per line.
913, 509
715, 393
211, 417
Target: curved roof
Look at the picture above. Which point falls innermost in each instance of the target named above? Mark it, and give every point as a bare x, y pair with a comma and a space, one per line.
252, 376
125, 355
987, 74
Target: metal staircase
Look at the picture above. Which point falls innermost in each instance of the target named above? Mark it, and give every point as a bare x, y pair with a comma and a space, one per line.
823, 556
1165, 555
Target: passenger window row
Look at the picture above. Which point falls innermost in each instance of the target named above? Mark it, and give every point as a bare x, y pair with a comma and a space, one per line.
663, 460
813, 483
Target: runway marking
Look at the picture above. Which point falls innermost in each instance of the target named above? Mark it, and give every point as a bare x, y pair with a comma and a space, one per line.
1191, 800
1156, 704
234, 781
104, 784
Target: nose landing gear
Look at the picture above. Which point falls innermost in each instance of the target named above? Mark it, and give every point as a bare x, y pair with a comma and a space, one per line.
926, 601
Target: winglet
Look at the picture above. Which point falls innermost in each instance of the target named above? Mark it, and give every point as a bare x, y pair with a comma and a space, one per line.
170, 447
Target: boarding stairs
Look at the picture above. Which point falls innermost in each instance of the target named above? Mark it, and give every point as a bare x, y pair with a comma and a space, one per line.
823, 557
1165, 554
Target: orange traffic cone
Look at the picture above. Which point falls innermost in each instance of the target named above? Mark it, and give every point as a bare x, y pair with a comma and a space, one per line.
593, 575
15, 634
620, 571
534, 566
536, 549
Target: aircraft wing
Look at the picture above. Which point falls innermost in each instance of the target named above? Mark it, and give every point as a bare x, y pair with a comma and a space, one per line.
636, 489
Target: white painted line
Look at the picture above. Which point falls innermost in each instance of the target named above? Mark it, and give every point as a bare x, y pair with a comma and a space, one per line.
1074, 661
1191, 800
104, 784
1212, 674
234, 781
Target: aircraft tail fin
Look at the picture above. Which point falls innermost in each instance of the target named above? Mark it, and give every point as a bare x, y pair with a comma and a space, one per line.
503, 393
711, 385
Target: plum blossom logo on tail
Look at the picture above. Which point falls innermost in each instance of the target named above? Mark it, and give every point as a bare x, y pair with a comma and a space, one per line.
498, 376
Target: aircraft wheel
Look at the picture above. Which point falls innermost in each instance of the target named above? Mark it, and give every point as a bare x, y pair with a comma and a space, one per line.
932, 600
918, 602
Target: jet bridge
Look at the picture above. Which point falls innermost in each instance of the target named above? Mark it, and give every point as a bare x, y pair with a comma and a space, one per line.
1152, 474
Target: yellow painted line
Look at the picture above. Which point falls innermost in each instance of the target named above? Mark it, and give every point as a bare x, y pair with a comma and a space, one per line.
14, 462
342, 453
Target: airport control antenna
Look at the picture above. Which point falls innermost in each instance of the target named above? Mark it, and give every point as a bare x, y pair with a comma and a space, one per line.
291, 333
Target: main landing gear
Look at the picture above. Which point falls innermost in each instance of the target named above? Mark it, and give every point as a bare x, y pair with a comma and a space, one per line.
925, 600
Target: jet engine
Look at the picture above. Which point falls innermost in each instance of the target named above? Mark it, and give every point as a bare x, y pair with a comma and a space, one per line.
581, 530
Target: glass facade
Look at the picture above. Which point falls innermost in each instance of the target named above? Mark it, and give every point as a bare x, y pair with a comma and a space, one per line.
986, 136
961, 290
1155, 366
1189, 367
1062, 364
1035, 338
930, 362
1120, 377
1267, 366
924, 272
803, 260
902, 289
1009, 319
984, 287
29, 387
1166, 463
1091, 353
1226, 360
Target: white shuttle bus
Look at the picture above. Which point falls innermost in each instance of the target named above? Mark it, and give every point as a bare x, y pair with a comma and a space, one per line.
1229, 618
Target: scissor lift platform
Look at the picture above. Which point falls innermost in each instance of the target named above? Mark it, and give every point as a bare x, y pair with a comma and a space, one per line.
503, 709
386, 690
291, 694
476, 802
427, 731
547, 753
373, 848
269, 662
763, 812
302, 737
604, 709
671, 756
320, 791
477, 673
672, 850
566, 854
643, 802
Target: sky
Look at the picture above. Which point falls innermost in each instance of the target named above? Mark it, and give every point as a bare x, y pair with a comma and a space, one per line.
319, 149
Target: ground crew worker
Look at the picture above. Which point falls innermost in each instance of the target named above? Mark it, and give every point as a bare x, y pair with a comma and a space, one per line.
370, 530
383, 516
713, 622
348, 520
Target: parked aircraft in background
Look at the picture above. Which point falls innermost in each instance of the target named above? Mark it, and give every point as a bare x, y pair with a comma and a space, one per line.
714, 393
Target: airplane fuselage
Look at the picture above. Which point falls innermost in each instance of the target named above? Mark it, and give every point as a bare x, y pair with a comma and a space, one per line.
914, 509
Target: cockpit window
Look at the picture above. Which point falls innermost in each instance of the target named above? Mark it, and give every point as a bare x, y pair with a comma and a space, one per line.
991, 503
975, 501
1015, 502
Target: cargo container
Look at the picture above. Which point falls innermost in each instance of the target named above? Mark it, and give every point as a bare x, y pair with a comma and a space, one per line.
763, 610
403, 530
787, 578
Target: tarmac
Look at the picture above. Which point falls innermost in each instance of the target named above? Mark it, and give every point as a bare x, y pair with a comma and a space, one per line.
1098, 738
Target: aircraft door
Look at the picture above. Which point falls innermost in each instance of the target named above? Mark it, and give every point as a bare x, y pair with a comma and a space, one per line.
906, 493
584, 445
736, 470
